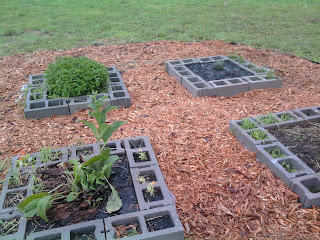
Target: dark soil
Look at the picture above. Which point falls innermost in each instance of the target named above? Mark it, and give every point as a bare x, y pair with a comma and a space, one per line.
24, 181
15, 198
303, 140
208, 71
156, 197
64, 213
159, 223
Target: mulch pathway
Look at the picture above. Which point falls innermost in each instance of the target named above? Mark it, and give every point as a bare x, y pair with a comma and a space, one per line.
221, 190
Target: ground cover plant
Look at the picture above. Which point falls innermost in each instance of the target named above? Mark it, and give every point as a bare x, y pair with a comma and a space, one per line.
288, 26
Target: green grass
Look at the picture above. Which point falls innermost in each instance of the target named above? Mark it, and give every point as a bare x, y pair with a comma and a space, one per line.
291, 26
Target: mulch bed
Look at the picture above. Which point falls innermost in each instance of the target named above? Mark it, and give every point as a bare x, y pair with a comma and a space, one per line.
221, 189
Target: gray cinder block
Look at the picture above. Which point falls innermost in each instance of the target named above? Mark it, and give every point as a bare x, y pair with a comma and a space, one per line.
259, 82
119, 96
22, 223
229, 87
308, 113
197, 86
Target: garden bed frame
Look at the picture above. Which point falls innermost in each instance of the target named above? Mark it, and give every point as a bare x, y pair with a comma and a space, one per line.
198, 87
43, 107
105, 228
299, 181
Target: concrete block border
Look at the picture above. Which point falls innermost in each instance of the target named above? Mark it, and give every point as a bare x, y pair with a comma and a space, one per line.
300, 178
39, 105
198, 87
102, 227
21, 228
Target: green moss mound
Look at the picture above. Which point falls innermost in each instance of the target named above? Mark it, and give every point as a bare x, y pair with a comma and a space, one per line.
72, 77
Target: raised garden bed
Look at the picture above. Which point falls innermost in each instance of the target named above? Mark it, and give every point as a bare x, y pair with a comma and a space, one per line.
292, 152
40, 105
221, 75
140, 217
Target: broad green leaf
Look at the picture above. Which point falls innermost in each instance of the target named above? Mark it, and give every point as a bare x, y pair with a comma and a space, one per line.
114, 201
74, 161
43, 205
31, 198
72, 196
105, 111
103, 156
111, 130
91, 126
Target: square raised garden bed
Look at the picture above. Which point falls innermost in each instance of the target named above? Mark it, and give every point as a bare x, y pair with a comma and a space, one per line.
295, 155
40, 105
142, 216
221, 75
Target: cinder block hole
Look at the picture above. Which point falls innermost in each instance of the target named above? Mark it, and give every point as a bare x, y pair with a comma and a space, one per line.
54, 103
275, 152
35, 77
234, 81
12, 199
159, 221
117, 88
119, 94
286, 117
290, 165
310, 112
126, 227
220, 83
110, 68
205, 59
194, 80
23, 181
217, 58
152, 196
110, 145
312, 184
258, 134
188, 60
9, 226
36, 96
247, 124
37, 105
137, 143
141, 156
115, 80
84, 151
200, 85
113, 74
255, 78
54, 236
100, 96
176, 62
147, 176
180, 68
185, 73
80, 99
38, 81
85, 233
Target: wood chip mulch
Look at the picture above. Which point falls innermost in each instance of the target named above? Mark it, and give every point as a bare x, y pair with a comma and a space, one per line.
221, 190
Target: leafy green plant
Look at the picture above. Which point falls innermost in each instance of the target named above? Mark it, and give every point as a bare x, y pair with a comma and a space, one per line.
288, 167
270, 75
72, 77
150, 188
46, 155
143, 155
141, 179
246, 124
286, 117
268, 119
38, 185
276, 153
258, 134
237, 58
219, 65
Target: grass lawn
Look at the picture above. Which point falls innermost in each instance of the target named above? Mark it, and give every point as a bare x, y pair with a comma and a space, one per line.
291, 26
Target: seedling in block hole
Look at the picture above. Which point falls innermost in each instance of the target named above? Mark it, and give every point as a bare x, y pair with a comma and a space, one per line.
259, 134
271, 75
268, 119
237, 58
246, 124
8, 227
288, 167
127, 231
142, 155
141, 179
150, 188
219, 65
286, 117
276, 153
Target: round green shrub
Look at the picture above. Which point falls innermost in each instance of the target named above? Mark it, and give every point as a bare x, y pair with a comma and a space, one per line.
72, 77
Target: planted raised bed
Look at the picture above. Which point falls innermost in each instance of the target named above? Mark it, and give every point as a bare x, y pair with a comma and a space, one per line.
294, 155
40, 105
142, 216
221, 75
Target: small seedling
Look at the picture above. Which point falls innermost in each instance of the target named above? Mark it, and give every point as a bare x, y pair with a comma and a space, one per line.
276, 153
37, 93
271, 75
246, 124
268, 119
219, 65
288, 167
150, 188
46, 155
259, 134
143, 155
8, 227
133, 232
259, 70
141, 179
237, 58
38, 185
286, 117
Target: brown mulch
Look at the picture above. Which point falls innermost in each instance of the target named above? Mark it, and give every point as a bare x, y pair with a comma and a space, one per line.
220, 187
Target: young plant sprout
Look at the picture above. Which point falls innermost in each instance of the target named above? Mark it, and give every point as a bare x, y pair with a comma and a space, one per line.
258, 134
246, 124
271, 75
142, 156
268, 119
276, 153
219, 65
237, 58
286, 117
150, 188
141, 179
288, 167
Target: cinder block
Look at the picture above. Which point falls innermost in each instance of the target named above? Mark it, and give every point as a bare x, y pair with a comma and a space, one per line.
160, 185
134, 146
308, 189
236, 128
218, 58
113, 68
36, 79
95, 227
22, 223
197, 86
169, 66
308, 113
119, 96
115, 147
64, 157
229, 87
174, 232
87, 151
33, 96
115, 78
259, 82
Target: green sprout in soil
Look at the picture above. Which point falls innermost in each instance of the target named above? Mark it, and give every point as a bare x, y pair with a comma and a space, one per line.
246, 124
46, 155
37, 93
276, 153
141, 179
150, 188
258, 134
288, 167
237, 58
286, 117
270, 75
219, 65
142, 155
268, 119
